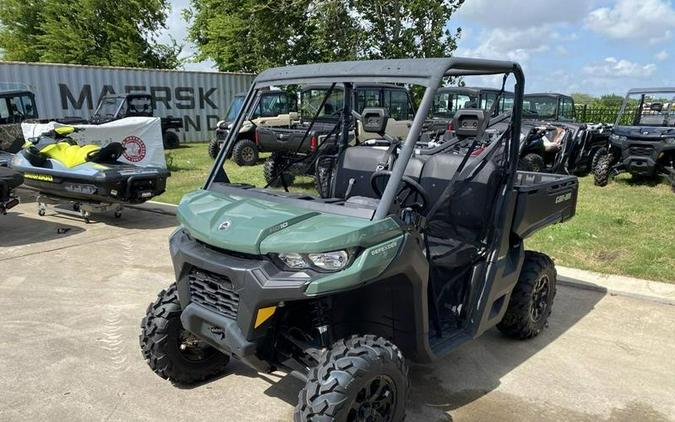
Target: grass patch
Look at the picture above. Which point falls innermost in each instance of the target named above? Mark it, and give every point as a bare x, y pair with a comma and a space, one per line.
625, 228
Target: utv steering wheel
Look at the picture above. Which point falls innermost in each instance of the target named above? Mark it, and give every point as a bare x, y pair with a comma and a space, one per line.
408, 190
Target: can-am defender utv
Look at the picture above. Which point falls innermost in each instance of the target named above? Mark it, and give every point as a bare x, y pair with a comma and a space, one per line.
645, 147
410, 257
554, 141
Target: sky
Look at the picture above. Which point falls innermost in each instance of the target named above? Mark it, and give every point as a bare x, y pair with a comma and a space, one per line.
592, 46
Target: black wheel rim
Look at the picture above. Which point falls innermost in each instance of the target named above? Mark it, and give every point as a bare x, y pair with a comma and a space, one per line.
192, 349
247, 154
540, 295
375, 402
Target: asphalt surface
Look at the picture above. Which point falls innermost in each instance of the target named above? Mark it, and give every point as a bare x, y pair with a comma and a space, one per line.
72, 296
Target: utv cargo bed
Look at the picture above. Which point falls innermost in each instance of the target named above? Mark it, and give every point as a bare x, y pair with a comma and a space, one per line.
543, 199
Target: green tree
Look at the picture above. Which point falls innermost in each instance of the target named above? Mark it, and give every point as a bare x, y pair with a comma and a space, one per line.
251, 35
610, 100
19, 29
583, 99
92, 32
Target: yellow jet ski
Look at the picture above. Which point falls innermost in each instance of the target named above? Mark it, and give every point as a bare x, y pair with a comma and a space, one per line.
56, 166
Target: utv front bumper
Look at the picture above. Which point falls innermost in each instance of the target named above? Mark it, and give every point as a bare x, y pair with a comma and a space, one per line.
221, 293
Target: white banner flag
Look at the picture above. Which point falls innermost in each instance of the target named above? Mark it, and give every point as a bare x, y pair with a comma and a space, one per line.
140, 136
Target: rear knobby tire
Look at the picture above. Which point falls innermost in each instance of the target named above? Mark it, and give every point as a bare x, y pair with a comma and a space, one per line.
273, 165
323, 178
162, 335
245, 153
530, 306
170, 140
531, 162
214, 148
339, 388
602, 169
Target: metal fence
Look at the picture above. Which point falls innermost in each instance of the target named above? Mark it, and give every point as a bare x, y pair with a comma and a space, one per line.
200, 99
593, 114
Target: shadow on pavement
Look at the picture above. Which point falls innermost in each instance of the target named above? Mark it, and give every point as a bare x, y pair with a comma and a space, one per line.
476, 368
19, 229
466, 374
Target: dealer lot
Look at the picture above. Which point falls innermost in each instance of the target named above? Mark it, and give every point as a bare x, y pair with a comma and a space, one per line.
69, 348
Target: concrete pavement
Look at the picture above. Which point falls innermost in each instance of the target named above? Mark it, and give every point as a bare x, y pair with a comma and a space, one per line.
72, 296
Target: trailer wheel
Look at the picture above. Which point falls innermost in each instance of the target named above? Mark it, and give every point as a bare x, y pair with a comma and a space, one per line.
214, 148
362, 378
531, 299
171, 351
601, 170
531, 162
273, 165
171, 140
245, 153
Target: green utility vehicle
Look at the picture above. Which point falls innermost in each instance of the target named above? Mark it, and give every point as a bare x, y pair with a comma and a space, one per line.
410, 256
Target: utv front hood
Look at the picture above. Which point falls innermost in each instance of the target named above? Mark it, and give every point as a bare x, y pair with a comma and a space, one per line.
256, 226
645, 133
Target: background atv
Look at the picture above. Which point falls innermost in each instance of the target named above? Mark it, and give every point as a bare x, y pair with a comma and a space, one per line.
289, 146
554, 142
410, 261
16, 106
115, 107
645, 147
273, 109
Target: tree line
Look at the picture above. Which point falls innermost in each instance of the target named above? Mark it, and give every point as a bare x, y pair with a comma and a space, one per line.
237, 35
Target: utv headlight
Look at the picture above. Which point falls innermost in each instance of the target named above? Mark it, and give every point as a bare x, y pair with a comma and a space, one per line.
330, 261
293, 261
617, 138
323, 261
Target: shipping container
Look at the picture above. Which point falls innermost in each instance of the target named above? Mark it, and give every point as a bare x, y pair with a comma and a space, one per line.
200, 99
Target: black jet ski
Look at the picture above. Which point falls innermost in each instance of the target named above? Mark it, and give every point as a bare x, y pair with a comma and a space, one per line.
9, 180
57, 167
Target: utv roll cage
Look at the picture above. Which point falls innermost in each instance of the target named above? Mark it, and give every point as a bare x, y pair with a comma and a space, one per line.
642, 92
428, 73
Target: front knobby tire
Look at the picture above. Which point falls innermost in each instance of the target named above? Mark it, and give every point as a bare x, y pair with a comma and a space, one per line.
172, 352
532, 298
360, 378
245, 153
602, 169
214, 148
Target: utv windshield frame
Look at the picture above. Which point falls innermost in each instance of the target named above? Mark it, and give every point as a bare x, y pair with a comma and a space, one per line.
428, 73
642, 92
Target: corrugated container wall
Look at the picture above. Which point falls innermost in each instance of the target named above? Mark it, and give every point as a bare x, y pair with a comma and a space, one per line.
200, 99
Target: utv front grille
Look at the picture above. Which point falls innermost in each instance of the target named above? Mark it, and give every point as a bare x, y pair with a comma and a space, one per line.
644, 151
214, 292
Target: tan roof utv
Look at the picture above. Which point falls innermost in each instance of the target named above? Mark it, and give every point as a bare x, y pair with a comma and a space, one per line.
274, 108
411, 255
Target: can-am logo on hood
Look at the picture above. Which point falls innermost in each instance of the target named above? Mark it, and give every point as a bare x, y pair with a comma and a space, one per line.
225, 225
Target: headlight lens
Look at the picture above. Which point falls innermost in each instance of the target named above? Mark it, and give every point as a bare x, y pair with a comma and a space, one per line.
330, 261
294, 261
323, 261
617, 138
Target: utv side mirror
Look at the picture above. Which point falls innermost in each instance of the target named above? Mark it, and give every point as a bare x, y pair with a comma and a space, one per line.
374, 120
657, 107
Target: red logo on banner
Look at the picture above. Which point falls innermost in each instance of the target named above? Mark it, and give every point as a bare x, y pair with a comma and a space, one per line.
134, 149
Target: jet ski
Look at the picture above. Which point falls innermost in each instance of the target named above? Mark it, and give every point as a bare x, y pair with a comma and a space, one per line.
85, 175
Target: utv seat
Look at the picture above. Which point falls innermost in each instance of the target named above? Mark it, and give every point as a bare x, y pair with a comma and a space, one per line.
456, 230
